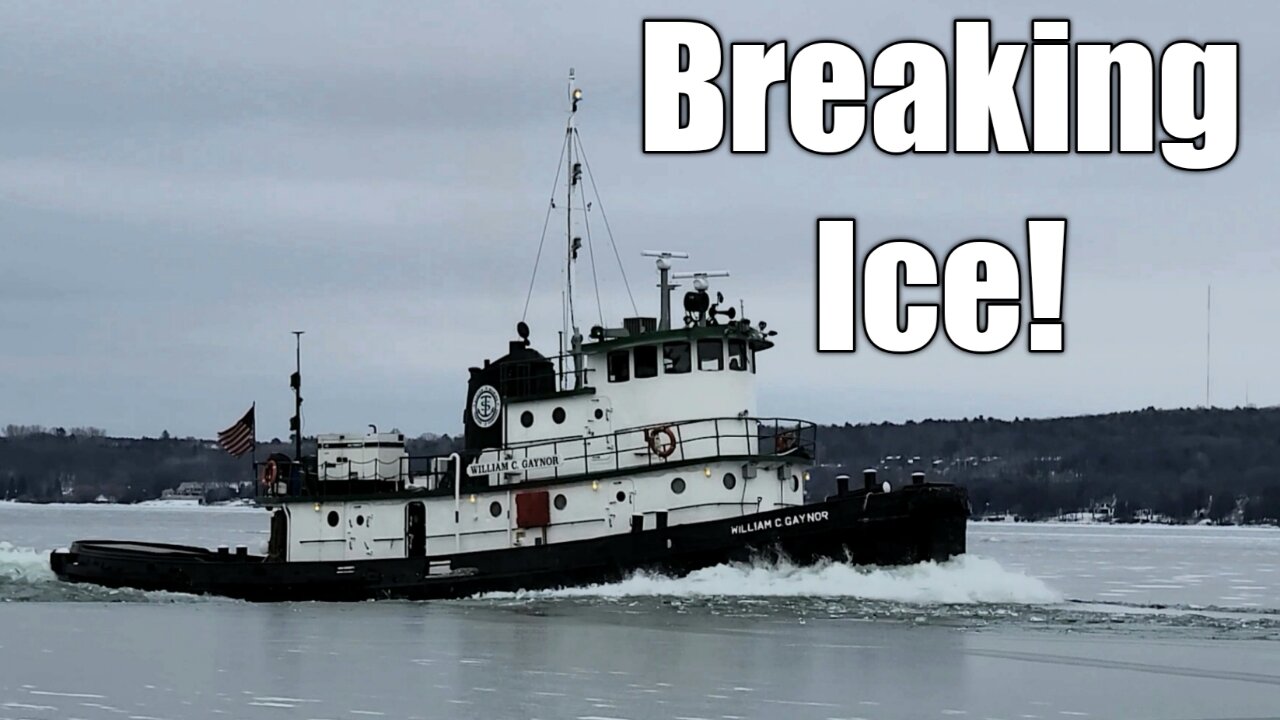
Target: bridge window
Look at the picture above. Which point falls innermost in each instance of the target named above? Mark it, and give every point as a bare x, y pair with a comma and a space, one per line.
738, 355
710, 355
646, 361
675, 358
619, 366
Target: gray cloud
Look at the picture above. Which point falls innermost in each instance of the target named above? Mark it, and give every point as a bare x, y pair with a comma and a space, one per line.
182, 185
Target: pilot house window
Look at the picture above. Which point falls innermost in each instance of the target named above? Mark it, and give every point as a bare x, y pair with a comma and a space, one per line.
738, 355
710, 355
646, 361
675, 358
619, 366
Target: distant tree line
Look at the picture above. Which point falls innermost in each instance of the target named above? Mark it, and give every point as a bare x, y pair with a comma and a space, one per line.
17, 431
1216, 464
39, 464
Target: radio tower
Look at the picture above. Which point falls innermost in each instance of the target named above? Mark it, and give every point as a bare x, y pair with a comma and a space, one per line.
1208, 339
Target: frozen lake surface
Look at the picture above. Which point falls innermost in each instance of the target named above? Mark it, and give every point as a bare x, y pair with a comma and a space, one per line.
1039, 621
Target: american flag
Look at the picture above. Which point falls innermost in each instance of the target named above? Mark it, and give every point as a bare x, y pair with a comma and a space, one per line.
239, 438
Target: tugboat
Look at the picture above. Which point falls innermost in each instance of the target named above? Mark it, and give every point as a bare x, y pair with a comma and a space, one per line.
638, 448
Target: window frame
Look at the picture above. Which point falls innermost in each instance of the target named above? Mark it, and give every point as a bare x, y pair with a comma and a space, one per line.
636, 360
688, 357
719, 358
609, 358
745, 356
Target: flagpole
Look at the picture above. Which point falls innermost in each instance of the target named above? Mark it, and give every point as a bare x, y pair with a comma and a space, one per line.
253, 452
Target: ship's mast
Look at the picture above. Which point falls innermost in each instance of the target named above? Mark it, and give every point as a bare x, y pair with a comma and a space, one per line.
573, 161
573, 243
295, 382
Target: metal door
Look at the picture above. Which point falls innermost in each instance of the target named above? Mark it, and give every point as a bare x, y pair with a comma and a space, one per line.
415, 530
622, 502
359, 530
600, 442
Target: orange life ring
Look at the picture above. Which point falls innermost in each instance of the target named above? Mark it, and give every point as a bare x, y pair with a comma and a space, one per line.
270, 474
784, 442
659, 448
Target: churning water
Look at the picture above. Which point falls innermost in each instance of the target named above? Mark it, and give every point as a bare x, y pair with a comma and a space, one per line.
1038, 621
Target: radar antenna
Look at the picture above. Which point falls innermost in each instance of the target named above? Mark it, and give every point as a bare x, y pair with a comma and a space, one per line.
697, 304
664, 286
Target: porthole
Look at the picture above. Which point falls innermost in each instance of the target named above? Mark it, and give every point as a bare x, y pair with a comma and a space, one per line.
360, 520
495, 508
332, 518
622, 497
526, 418
560, 502
557, 415
599, 414
729, 481
795, 483
677, 485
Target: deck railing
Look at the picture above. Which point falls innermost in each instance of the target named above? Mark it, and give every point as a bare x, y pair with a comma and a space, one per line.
638, 448
543, 376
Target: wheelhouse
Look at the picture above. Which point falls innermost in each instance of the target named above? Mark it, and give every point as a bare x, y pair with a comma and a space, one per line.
643, 423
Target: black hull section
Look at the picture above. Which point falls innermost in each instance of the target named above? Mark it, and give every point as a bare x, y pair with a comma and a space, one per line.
909, 525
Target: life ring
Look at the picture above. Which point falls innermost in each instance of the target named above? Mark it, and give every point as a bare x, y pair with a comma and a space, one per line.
270, 473
657, 446
784, 442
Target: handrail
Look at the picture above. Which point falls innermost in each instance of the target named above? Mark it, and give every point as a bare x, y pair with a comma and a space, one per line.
677, 423
698, 439
532, 377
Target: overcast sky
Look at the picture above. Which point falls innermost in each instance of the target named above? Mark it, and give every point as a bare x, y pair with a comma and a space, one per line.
181, 185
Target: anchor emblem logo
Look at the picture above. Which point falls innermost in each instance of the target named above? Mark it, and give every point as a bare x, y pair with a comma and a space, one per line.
486, 405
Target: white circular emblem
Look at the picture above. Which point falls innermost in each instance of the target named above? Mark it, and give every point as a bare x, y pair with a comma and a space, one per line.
486, 405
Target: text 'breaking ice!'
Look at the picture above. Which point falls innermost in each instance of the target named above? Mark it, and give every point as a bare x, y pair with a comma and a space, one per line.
1087, 98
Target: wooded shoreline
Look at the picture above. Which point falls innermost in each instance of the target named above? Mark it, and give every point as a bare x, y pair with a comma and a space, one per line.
1186, 465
